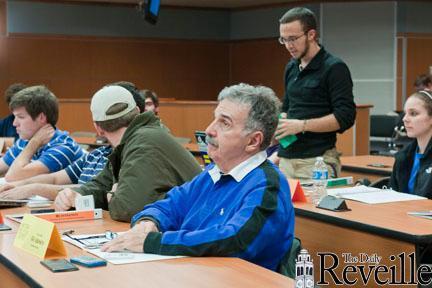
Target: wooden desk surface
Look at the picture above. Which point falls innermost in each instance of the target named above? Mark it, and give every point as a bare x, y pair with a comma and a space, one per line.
365, 161
389, 219
360, 166
185, 272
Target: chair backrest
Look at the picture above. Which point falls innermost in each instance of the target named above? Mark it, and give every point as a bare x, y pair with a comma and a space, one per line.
288, 264
383, 125
380, 183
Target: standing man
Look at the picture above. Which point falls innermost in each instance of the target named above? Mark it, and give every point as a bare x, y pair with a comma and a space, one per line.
318, 100
238, 207
146, 161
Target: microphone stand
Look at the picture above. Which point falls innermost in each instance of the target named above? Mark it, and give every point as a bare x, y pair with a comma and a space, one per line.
398, 132
392, 145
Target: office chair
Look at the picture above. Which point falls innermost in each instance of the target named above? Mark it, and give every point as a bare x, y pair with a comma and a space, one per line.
383, 132
288, 263
380, 183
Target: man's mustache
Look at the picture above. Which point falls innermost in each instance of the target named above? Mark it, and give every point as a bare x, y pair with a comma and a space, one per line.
210, 140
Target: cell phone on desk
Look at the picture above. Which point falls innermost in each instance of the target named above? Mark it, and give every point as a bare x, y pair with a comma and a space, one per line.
377, 165
88, 261
59, 265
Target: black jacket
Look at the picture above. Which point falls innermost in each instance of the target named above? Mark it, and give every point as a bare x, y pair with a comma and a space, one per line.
403, 166
322, 88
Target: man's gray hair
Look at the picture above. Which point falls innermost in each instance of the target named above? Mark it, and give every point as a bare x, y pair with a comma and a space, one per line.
264, 108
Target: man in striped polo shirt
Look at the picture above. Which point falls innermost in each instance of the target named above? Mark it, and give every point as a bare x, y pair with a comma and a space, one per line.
238, 207
41, 147
80, 172
48, 185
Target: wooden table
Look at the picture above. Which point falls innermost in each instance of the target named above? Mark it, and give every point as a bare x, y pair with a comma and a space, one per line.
194, 149
21, 269
385, 229
363, 166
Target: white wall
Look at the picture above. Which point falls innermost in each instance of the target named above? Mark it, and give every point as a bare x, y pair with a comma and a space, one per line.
260, 23
363, 35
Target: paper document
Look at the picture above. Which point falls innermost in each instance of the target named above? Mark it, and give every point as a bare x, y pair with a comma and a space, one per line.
351, 190
92, 242
372, 195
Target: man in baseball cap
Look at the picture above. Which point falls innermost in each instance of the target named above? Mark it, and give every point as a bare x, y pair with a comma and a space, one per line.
145, 163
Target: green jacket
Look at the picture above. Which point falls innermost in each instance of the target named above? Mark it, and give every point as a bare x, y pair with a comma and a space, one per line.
146, 164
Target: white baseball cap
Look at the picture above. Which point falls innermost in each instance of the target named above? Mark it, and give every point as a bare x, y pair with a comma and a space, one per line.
108, 96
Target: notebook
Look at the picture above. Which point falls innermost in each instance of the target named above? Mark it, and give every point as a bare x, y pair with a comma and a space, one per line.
200, 137
34, 201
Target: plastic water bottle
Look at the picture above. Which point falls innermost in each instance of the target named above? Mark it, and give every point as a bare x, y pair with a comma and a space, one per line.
319, 177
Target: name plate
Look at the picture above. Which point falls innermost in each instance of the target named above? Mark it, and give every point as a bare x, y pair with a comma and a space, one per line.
297, 193
39, 237
3, 227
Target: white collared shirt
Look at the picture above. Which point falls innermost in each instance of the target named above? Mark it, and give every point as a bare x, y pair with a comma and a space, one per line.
242, 169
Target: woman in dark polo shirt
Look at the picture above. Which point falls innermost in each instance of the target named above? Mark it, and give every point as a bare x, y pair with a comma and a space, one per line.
412, 170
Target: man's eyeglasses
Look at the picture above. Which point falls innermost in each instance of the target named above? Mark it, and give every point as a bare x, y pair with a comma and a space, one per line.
290, 40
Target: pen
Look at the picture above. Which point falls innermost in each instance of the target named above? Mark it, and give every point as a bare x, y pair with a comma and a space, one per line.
73, 238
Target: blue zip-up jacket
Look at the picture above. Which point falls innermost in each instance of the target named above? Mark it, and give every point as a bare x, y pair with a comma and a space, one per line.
252, 219
6, 127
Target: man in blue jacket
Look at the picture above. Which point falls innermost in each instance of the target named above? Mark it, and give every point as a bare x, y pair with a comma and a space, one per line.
238, 207
6, 124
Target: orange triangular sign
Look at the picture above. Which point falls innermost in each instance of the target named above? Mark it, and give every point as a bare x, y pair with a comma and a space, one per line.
56, 247
297, 193
40, 238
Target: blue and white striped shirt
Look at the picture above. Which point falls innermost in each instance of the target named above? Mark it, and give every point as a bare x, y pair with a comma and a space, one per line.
60, 152
87, 167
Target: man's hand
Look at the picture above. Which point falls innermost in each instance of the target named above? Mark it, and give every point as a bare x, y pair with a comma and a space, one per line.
65, 199
6, 187
111, 193
288, 127
43, 135
20, 192
132, 240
